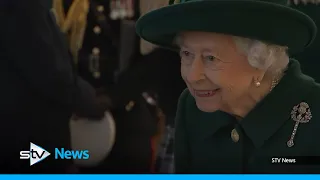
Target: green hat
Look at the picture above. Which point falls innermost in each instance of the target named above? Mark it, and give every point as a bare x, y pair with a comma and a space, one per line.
271, 21
310, 56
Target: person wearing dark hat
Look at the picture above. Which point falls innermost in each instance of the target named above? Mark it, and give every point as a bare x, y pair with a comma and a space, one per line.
308, 58
248, 107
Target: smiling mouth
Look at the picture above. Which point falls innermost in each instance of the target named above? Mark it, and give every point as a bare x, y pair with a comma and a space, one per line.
205, 93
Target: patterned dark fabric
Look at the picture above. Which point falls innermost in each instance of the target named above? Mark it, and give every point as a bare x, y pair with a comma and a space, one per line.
165, 159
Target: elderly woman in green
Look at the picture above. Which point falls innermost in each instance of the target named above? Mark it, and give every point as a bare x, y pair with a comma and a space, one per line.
248, 107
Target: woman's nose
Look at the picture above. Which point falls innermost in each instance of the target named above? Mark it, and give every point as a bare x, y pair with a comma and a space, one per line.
196, 72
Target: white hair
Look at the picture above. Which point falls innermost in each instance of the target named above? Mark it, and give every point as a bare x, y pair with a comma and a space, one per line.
272, 58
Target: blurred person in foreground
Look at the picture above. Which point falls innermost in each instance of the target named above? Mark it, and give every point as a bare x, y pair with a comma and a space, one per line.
40, 91
310, 55
247, 101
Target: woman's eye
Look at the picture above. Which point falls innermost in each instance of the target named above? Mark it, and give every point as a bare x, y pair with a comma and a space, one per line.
210, 58
185, 53
186, 57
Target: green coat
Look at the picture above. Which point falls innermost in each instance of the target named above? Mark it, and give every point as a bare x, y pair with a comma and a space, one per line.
204, 144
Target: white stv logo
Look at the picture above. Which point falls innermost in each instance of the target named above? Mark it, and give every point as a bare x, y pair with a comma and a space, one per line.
36, 154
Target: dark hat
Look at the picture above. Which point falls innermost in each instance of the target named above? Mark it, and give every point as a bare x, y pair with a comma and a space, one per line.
271, 21
310, 56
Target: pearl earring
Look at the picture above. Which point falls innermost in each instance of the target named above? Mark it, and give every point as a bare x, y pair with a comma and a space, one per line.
257, 83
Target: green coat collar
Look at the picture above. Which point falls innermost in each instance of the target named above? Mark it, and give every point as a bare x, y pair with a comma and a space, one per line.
268, 115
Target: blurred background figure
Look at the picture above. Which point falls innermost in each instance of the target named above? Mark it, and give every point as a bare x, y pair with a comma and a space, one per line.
169, 86
141, 80
310, 57
40, 90
95, 30
156, 70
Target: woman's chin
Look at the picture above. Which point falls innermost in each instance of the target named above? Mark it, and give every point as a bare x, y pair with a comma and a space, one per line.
206, 107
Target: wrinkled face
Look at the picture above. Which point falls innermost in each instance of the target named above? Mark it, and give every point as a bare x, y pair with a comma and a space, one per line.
217, 74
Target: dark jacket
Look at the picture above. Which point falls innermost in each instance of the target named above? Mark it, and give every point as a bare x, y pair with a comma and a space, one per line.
39, 89
107, 40
158, 71
131, 152
218, 143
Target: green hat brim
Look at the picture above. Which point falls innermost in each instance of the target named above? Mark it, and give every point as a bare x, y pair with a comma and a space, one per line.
269, 22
